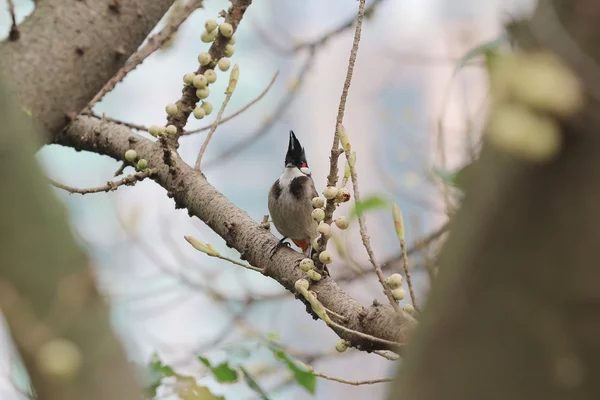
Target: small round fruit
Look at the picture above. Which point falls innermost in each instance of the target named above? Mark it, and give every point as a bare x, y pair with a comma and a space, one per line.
229, 50
203, 93
315, 244
172, 109
307, 264
318, 214
200, 81
324, 229
313, 275
224, 64
343, 195
188, 78
208, 37
207, 107
210, 75
171, 129
199, 112
154, 130
399, 294
142, 164
394, 281
210, 25
226, 29
318, 202
330, 192
204, 58
130, 155
341, 346
325, 257
342, 222
232, 40
301, 284
408, 308
59, 359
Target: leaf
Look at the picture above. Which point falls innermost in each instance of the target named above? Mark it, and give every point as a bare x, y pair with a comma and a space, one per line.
188, 389
273, 336
454, 178
370, 203
304, 377
252, 384
157, 366
481, 50
222, 372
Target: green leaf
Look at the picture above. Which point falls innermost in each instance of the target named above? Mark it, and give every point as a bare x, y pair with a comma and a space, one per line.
304, 377
370, 203
222, 372
454, 178
273, 336
483, 49
157, 366
252, 384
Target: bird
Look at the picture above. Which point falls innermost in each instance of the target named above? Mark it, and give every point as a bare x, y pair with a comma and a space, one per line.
290, 200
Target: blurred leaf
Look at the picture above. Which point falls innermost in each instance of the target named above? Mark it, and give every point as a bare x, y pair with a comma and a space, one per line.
370, 203
222, 372
273, 336
188, 389
483, 49
304, 377
252, 384
157, 366
454, 178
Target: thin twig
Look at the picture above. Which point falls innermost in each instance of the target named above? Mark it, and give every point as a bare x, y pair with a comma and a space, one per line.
250, 267
421, 243
129, 180
332, 178
408, 277
353, 383
121, 169
393, 345
104, 117
364, 234
387, 355
279, 111
14, 33
228, 93
238, 112
154, 43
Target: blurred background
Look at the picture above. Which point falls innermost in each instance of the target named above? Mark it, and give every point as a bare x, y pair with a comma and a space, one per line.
414, 115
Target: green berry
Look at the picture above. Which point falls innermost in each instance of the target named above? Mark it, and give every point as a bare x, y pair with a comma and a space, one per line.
200, 81
142, 164
330, 192
313, 275
172, 109
199, 112
207, 107
394, 281
188, 78
301, 284
171, 130
342, 222
204, 58
232, 40
324, 229
226, 29
318, 202
154, 130
203, 93
307, 264
229, 50
208, 37
130, 155
210, 75
399, 294
325, 257
224, 64
341, 346
318, 214
210, 25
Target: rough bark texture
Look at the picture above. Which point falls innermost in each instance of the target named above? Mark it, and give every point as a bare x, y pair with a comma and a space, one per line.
46, 288
190, 189
69, 49
515, 311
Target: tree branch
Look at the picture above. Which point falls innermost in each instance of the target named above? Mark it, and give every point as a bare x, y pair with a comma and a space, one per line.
190, 189
55, 78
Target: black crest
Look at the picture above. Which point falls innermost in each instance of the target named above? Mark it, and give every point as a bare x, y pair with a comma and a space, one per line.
295, 154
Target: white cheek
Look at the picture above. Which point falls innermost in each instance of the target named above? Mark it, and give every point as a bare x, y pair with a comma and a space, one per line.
305, 170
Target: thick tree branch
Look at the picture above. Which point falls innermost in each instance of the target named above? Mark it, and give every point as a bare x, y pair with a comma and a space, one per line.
190, 189
68, 50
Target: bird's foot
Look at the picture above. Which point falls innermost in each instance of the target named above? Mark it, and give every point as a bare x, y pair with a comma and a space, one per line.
280, 244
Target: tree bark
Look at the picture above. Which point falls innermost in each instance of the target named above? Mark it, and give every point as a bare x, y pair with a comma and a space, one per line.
46, 287
69, 49
515, 310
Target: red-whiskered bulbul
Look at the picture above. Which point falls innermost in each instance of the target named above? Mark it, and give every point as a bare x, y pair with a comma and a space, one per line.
290, 200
